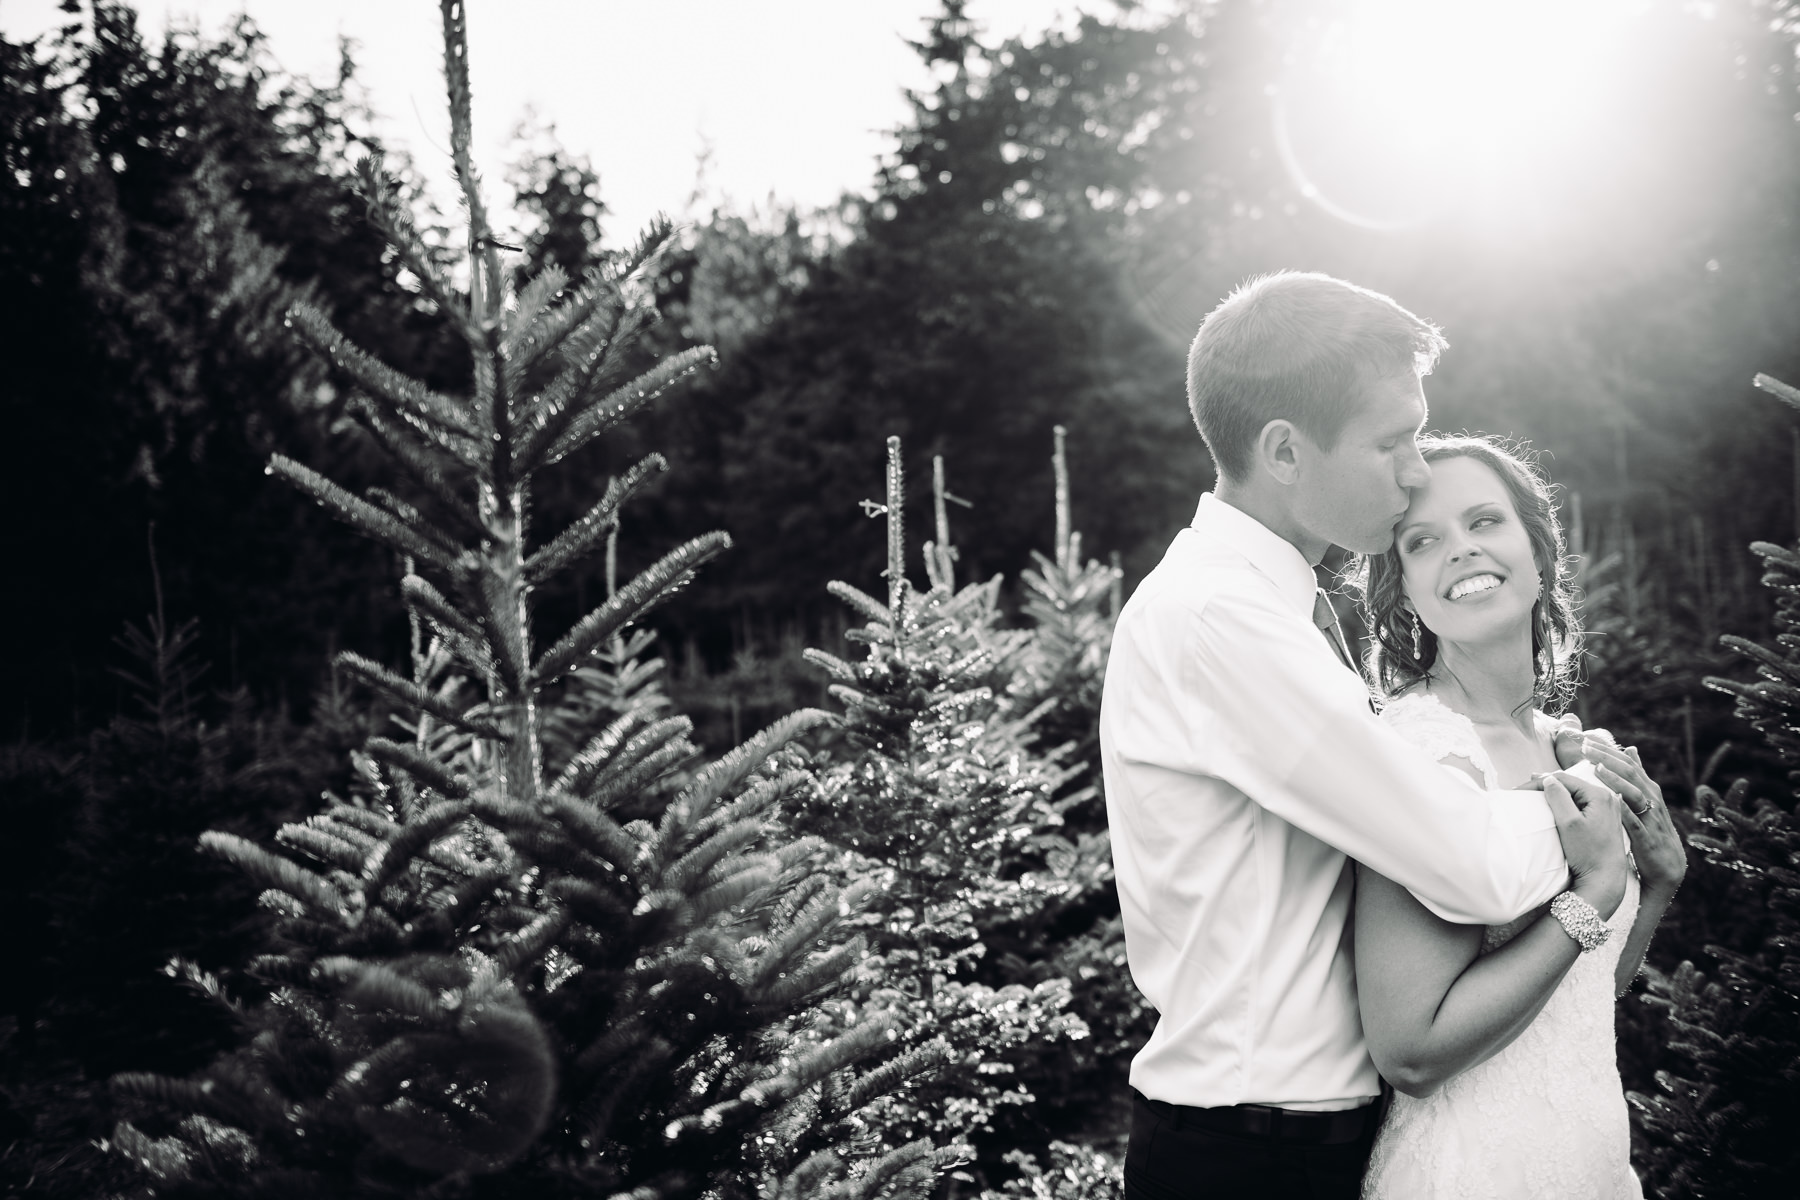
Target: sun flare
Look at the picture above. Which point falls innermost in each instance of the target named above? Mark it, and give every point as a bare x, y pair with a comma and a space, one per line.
1390, 113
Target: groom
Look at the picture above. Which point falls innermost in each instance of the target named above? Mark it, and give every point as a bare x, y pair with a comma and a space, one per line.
1243, 764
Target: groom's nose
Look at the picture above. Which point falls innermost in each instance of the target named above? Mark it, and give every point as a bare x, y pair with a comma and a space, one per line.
1414, 471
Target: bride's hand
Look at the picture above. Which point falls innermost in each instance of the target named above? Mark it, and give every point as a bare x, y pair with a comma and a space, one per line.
1655, 842
1570, 740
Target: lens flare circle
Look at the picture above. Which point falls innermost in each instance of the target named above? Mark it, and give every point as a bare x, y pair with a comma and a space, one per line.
1389, 113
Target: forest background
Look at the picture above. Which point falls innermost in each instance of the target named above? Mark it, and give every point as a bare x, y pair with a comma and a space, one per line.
1058, 215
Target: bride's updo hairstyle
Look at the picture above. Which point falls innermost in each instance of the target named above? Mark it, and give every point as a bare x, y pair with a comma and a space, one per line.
1555, 634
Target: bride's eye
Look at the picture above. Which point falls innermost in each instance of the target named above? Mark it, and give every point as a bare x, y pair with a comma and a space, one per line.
1414, 543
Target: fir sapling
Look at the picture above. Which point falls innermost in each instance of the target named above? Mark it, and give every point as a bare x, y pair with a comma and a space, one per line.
574, 961
945, 799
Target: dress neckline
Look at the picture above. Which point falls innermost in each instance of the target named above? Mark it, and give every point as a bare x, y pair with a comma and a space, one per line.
1468, 745
1480, 758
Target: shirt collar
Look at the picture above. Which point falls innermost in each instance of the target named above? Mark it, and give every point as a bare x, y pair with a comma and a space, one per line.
1273, 555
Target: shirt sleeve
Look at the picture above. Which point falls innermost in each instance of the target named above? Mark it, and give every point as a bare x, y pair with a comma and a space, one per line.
1291, 728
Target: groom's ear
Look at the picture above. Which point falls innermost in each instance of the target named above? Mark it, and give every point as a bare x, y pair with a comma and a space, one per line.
1276, 450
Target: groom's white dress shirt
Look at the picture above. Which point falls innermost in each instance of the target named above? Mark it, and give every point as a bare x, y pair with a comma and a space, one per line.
1242, 765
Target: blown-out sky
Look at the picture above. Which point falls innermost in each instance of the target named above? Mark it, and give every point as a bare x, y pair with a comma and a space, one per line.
791, 98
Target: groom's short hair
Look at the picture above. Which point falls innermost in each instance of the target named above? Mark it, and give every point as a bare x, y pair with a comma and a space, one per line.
1297, 345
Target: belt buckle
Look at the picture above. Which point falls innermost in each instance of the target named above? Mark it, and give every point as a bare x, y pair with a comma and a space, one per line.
1264, 1120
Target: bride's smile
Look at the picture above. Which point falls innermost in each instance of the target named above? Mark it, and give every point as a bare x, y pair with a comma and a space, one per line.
1465, 557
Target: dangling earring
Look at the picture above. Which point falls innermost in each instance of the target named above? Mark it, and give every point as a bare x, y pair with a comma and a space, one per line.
1418, 648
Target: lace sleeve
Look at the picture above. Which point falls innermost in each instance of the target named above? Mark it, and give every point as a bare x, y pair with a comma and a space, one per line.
1439, 731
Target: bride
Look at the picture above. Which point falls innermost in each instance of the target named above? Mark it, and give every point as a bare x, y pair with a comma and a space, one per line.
1498, 1041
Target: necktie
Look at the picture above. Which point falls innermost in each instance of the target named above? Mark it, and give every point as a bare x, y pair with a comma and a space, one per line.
1325, 617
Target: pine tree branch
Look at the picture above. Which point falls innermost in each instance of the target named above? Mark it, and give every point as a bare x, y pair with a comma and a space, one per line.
534, 301
750, 803
418, 592
360, 513
687, 870
734, 890
389, 213
418, 461
652, 244
813, 1066
405, 394
597, 752
412, 519
1786, 394
658, 735
620, 405
609, 789
401, 848
167, 1160
729, 771
380, 986
590, 904
906, 1171
826, 970
591, 528
894, 1075
208, 985
630, 602
332, 851
274, 871
809, 924
831, 664
862, 602
372, 824
599, 835
580, 316
528, 944
410, 693
589, 352
345, 832
591, 343
419, 765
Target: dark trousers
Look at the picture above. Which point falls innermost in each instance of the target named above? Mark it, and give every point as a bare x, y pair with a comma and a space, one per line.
1171, 1158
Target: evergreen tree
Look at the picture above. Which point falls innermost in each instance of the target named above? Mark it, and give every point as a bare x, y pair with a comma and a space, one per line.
101, 874
1722, 1123
1070, 605
568, 973
945, 800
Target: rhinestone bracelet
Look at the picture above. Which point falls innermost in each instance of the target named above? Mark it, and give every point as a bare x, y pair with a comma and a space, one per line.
1580, 920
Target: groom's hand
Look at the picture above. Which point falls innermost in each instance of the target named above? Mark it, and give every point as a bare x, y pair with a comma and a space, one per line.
1587, 821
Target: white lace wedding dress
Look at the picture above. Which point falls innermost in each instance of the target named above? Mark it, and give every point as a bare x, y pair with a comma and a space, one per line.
1545, 1117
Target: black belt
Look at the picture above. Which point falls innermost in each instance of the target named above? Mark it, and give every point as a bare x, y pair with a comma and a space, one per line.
1277, 1124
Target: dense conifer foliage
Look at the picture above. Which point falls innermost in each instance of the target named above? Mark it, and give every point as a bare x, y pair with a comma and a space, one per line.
592, 971
1721, 1120
991, 879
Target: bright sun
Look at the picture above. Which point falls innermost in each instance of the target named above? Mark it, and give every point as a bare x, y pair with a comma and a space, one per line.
1390, 113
